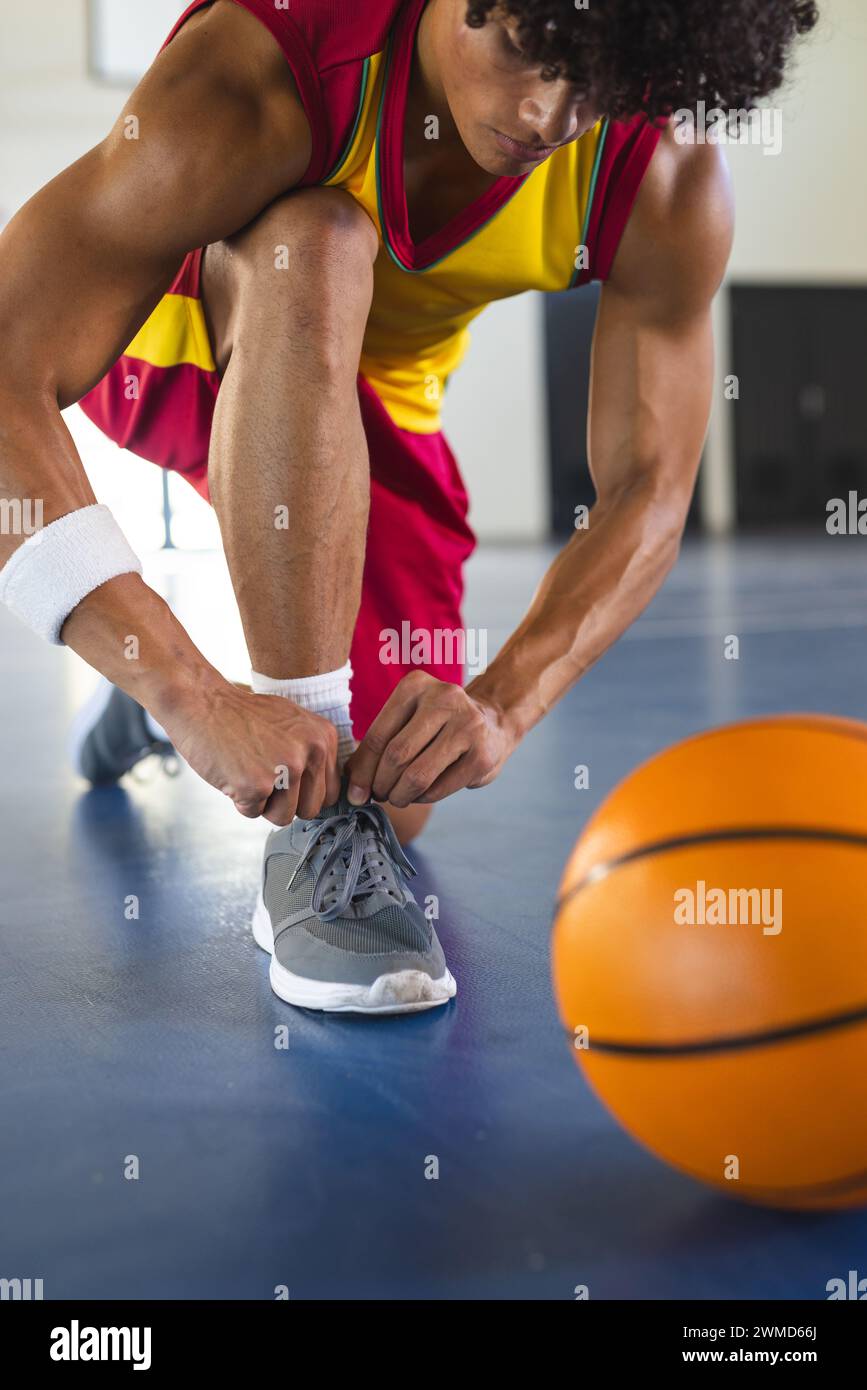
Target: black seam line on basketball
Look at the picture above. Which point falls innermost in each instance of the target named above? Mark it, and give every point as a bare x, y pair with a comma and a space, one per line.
708, 837
737, 1042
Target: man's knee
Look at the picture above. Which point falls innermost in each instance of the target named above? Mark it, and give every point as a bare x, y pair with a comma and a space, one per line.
308, 258
307, 231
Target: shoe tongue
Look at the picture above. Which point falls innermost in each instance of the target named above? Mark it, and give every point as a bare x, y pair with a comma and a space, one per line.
341, 807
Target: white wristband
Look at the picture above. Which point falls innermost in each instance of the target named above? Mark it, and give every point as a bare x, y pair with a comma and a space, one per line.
58, 566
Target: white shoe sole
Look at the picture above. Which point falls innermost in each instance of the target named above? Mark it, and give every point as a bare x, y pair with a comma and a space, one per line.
86, 721
404, 992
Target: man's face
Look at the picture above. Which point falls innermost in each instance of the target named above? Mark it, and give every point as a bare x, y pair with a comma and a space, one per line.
509, 119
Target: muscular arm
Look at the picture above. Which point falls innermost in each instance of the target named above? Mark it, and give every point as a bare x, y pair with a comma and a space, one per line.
650, 396
220, 134
649, 404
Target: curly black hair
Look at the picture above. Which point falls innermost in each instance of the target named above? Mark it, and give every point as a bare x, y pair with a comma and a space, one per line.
659, 56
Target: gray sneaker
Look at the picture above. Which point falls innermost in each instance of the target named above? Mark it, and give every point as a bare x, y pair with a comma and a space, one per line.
337, 915
110, 736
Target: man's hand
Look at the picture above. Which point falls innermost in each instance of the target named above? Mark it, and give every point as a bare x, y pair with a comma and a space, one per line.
429, 740
247, 745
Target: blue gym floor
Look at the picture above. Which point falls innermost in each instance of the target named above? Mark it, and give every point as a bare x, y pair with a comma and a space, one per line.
305, 1167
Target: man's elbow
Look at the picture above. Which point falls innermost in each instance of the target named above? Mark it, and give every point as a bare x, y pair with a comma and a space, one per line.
672, 527
664, 516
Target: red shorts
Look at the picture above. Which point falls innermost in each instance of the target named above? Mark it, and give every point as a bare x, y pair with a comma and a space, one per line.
418, 536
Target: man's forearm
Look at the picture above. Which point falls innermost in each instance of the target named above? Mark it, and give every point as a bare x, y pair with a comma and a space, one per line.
594, 590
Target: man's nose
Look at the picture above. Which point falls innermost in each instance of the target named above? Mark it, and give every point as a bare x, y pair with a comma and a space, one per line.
558, 119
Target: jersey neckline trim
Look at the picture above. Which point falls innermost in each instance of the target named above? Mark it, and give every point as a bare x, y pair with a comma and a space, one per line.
391, 192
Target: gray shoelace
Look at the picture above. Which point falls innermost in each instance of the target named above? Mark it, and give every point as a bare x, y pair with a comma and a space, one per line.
363, 854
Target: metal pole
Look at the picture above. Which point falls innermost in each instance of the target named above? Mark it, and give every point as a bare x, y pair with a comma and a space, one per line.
168, 543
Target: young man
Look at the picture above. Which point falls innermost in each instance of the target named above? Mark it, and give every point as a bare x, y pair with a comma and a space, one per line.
364, 179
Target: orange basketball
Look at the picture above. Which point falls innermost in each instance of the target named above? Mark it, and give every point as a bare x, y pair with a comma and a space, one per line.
710, 958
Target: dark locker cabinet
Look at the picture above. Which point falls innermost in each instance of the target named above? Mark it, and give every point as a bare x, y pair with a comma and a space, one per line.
570, 318
800, 420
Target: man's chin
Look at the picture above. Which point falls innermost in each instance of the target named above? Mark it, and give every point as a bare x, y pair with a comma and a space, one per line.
501, 165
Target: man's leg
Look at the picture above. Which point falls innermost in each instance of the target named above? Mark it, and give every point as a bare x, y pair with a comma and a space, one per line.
287, 302
289, 476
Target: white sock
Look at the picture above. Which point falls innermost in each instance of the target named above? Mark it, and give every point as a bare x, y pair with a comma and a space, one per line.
328, 695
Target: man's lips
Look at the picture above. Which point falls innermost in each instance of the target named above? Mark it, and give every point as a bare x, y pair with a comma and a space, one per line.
527, 154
